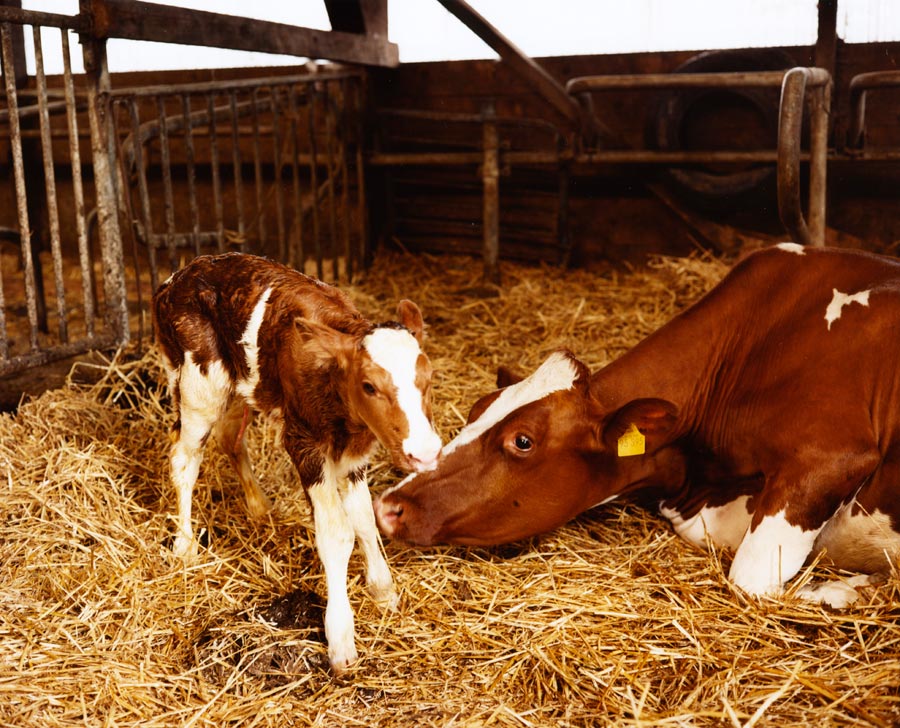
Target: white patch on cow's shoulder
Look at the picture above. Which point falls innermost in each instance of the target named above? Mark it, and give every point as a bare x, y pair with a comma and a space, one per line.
557, 373
795, 248
250, 342
839, 300
723, 525
770, 555
397, 352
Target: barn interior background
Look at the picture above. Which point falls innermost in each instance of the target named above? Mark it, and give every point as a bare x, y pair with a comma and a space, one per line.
554, 176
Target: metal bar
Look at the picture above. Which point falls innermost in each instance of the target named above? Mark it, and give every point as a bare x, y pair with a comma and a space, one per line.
820, 105
50, 20
296, 256
168, 193
859, 86
665, 81
607, 156
340, 137
84, 256
278, 161
361, 209
313, 172
216, 177
330, 166
191, 170
490, 179
258, 174
227, 86
237, 168
19, 176
143, 192
50, 184
42, 357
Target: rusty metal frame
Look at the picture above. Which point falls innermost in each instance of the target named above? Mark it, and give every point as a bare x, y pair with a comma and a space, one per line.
797, 86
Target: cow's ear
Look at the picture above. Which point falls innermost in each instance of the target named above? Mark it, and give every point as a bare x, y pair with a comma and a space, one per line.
410, 316
507, 377
641, 426
322, 343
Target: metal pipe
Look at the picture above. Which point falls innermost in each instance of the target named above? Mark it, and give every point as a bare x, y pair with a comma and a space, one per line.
859, 86
168, 192
665, 81
330, 166
490, 180
50, 185
257, 174
191, 170
216, 177
237, 167
313, 172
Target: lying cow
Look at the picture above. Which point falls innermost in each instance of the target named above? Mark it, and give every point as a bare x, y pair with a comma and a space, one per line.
240, 332
765, 419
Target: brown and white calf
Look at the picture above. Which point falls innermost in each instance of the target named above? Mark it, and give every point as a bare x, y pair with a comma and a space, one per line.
765, 418
241, 333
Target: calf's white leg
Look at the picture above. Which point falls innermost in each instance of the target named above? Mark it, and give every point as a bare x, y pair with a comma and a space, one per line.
358, 506
202, 397
334, 542
230, 435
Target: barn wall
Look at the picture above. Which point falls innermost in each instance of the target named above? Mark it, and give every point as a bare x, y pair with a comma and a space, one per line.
613, 215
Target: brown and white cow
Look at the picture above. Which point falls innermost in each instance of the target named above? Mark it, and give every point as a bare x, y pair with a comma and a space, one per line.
765, 418
241, 333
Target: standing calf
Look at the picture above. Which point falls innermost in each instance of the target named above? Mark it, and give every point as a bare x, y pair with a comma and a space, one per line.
240, 332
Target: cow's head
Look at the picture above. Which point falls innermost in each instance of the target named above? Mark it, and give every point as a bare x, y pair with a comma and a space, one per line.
533, 455
385, 383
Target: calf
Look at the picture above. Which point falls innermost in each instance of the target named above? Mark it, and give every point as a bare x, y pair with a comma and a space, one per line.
238, 332
765, 418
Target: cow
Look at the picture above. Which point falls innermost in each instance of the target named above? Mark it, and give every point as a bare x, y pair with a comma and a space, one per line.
238, 334
764, 419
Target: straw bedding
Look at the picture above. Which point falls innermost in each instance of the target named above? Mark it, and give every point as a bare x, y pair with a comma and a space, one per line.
609, 620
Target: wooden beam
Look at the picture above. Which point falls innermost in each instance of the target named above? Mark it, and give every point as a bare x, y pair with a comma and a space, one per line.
135, 20
368, 17
532, 73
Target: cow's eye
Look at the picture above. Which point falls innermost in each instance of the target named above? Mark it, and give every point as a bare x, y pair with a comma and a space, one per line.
523, 443
369, 388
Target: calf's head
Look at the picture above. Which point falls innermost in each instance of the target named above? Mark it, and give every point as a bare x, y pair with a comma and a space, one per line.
532, 456
385, 383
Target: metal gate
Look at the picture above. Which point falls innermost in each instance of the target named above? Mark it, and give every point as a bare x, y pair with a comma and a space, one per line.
112, 189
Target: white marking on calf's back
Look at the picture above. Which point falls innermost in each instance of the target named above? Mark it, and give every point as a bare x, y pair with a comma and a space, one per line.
839, 300
397, 352
557, 373
250, 342
795, 248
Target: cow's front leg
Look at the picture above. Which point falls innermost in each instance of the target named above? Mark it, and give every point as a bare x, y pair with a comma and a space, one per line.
358, 506
334, 542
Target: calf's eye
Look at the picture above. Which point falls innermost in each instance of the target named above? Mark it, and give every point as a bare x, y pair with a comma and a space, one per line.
523, 443
369, 388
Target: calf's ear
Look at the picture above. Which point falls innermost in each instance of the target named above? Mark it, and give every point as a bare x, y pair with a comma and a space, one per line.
653, 419
323, 343
410, 316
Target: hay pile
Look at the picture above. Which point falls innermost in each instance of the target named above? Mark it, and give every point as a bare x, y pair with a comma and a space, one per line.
610, 620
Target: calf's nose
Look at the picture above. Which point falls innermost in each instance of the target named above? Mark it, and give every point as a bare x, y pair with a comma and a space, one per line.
389, 516
425, 456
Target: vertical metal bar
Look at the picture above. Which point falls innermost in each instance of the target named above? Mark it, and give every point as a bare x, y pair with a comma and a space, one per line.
331, 182
820, 104
50, 183
168, 194
114, 289
257, 174
84, 257
793, 89
362, 222
278, 161
296, 256
342, 140
490, 176
19, 176
191, 171
216, 176
314, 177
238, 174
143, 192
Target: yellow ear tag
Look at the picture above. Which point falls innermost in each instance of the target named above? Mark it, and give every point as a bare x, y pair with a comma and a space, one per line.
632, 442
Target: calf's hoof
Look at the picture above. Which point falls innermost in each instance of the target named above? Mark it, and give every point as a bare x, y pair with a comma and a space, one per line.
385, 596
259, 507
342, 658
185, 547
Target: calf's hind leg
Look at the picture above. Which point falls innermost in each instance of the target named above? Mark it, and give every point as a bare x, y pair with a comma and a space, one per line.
230, 430
202, 398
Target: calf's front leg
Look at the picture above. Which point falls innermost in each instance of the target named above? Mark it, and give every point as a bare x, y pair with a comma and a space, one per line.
358, 505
